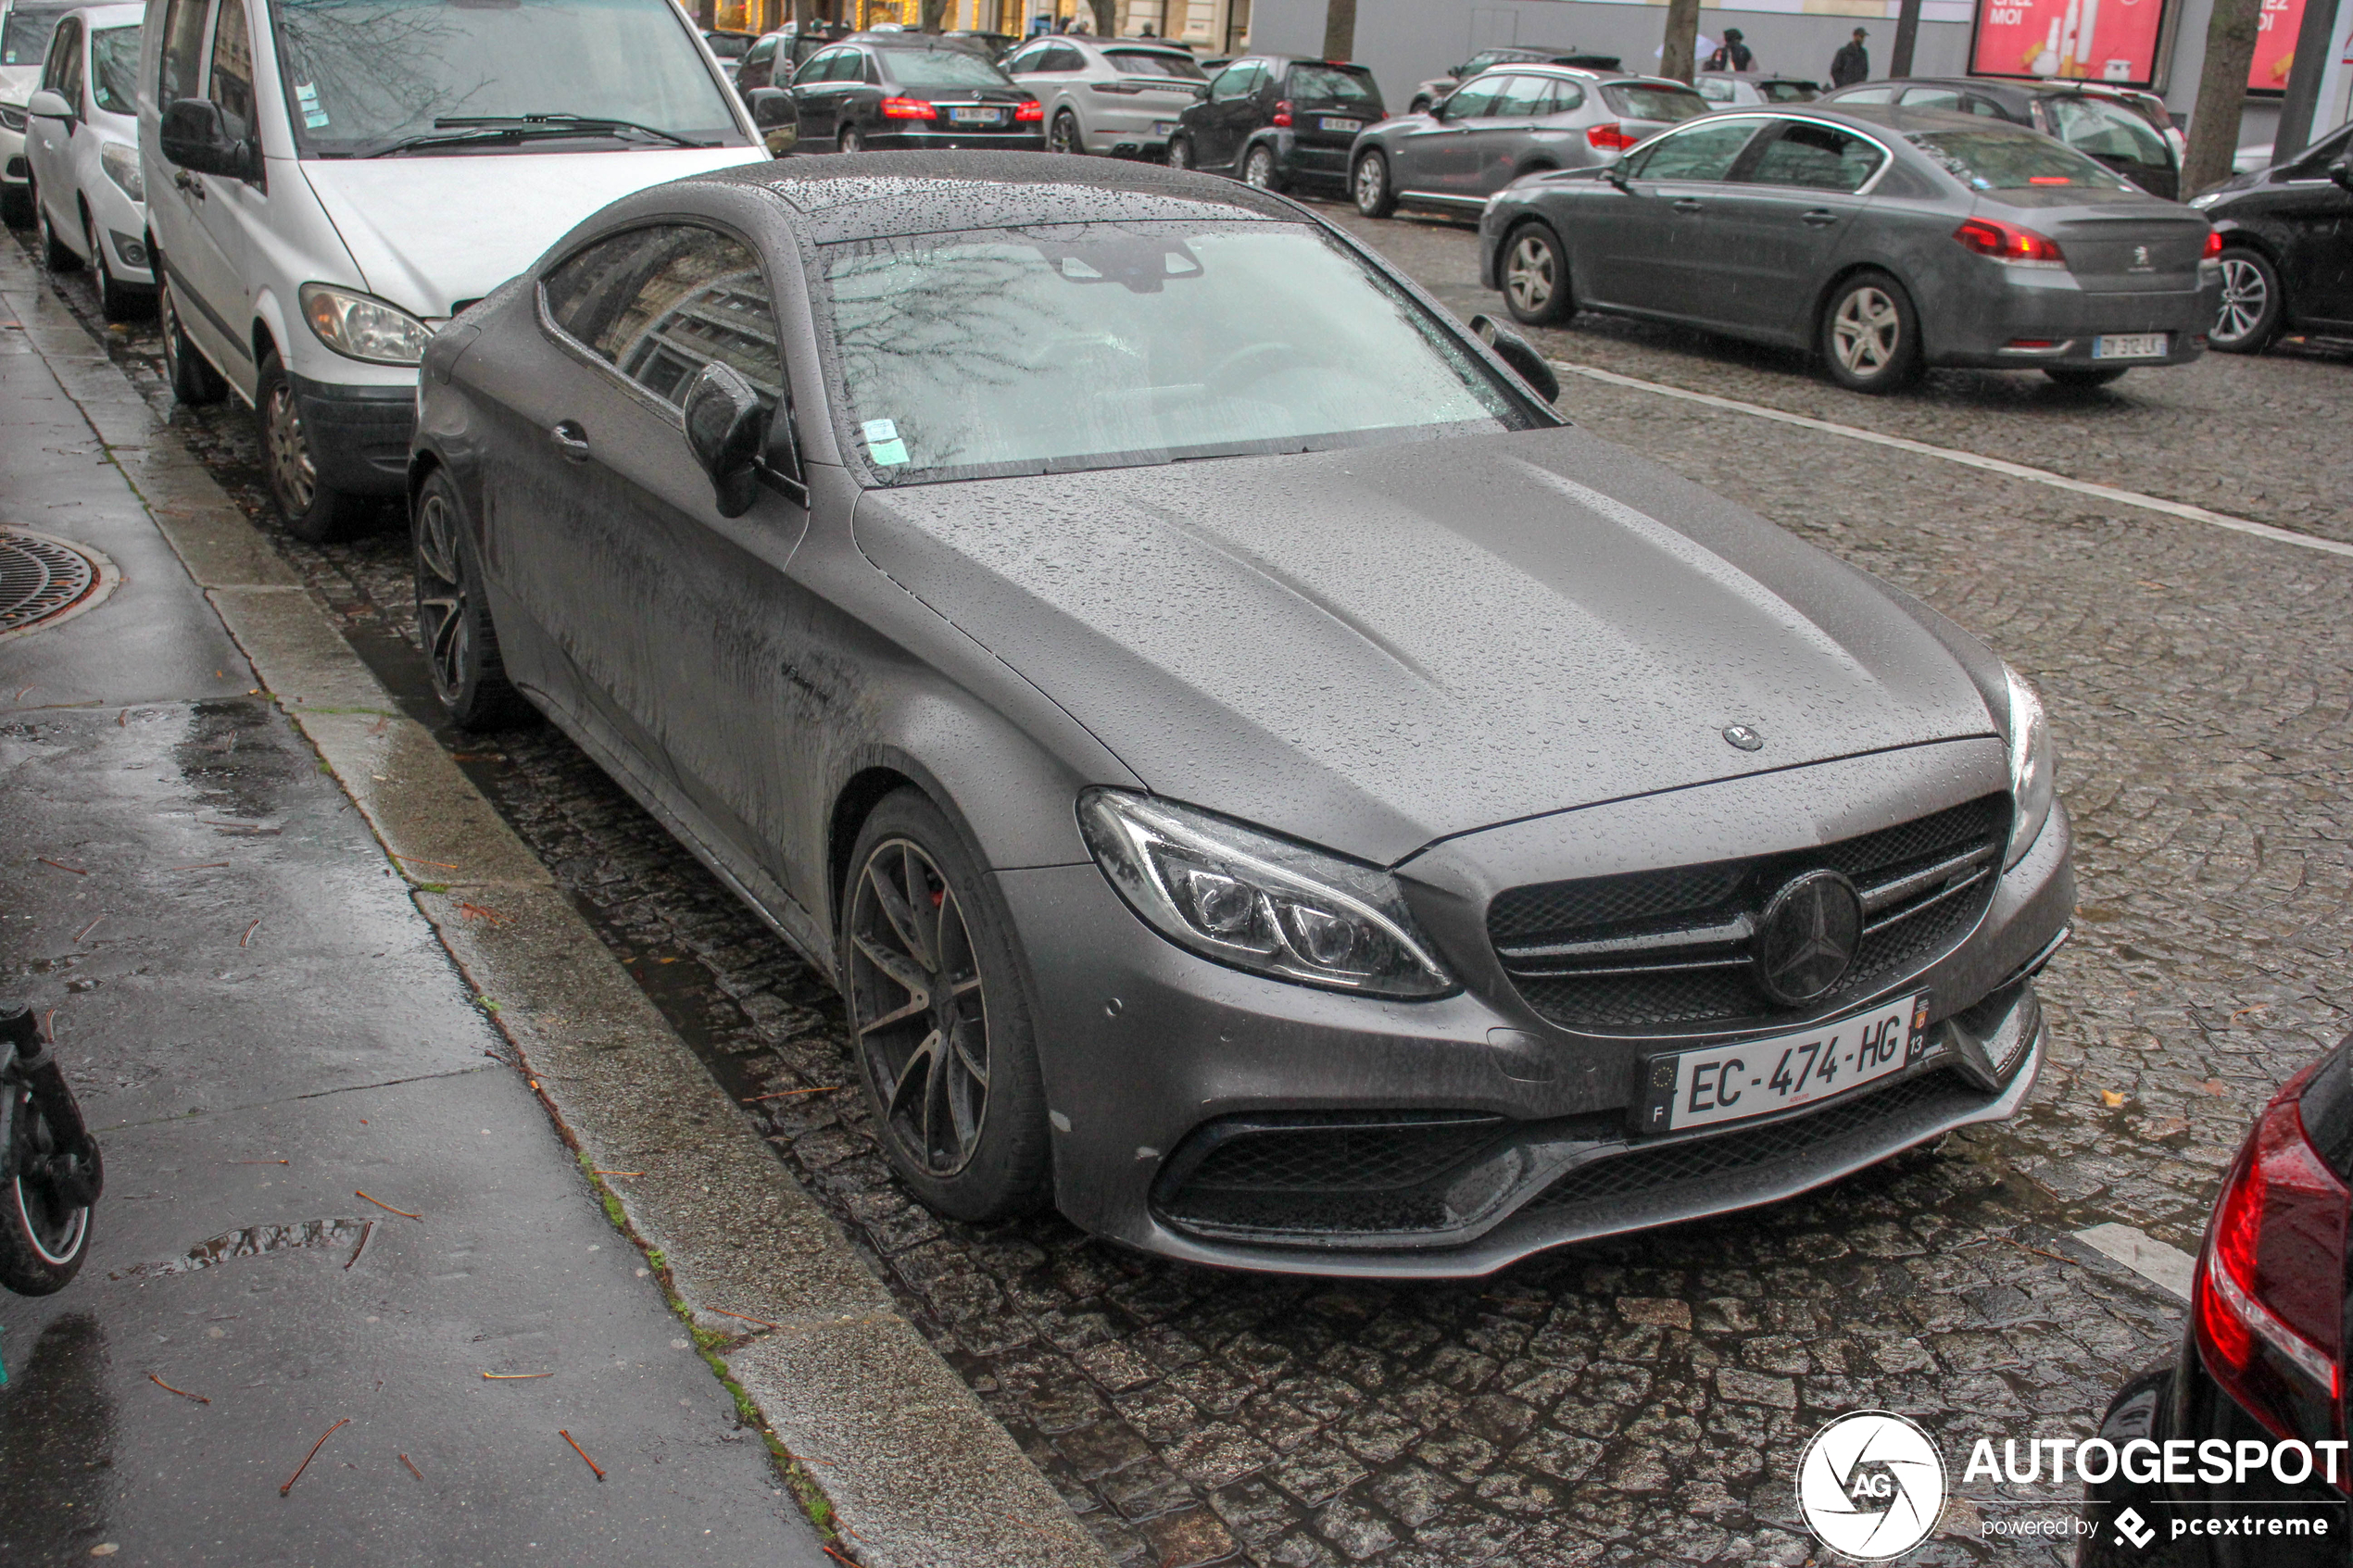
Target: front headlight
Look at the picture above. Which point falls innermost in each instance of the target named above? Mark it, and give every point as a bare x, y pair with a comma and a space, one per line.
361, 328
12, 116
2033, 769
1257, 902
120, 160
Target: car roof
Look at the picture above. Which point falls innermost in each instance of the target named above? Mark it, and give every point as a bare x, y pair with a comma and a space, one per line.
1273, 58
1885, 117
875, 195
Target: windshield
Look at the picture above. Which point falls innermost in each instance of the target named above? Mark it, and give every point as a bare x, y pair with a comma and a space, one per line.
25, 40
2012, 160
114, 68
1669, 103
929, 70
1091, 346
363, 75
1329, 84
1154, 62
2108, 130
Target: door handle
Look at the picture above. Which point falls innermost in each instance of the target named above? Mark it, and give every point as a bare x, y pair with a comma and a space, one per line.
571, 440
1819, 217
1685, 204
188, 182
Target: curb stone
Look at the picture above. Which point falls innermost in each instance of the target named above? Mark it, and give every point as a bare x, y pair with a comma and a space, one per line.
916, 1472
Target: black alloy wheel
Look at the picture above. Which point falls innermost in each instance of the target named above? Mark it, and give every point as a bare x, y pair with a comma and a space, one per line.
1063, 135
1371, 186
44, 1237
314, 511
56, 255
1870, 335
2249, 317
192, 381
2085, 375
1180, 152
1535, 285
937, 1019
452, 621
1258, 168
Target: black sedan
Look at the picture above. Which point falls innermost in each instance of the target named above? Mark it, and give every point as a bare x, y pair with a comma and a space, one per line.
883, 91
2237, 1453
2287, 247
1884, 240
1050, 591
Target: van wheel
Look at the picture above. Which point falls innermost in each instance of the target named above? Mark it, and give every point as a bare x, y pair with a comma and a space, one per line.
453, 615
1870, 335
55, 255
1258, 168
314, 512
192, 381
1371, 188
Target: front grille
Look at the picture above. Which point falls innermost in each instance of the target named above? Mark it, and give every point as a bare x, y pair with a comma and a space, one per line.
1671, 947
1723, 1154
1323, 1171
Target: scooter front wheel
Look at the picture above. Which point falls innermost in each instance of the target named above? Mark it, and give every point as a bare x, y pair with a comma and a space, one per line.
43, 1235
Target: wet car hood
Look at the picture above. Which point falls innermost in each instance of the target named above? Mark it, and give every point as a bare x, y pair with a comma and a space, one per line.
1372, 649
428, 232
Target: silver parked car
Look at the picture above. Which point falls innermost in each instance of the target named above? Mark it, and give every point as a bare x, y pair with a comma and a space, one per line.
1428, 92
1749, 88
1513, 121
1119, 95
1884, 239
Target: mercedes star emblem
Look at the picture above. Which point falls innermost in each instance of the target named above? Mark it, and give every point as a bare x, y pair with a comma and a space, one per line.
1807, 937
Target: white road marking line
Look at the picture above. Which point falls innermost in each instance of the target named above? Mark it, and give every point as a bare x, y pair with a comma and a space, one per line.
2168, 1268
1992, 465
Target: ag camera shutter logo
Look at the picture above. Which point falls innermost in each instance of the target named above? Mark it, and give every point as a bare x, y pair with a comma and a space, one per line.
1871, 1486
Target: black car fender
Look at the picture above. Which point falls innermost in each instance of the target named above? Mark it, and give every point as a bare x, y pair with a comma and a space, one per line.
1276, 136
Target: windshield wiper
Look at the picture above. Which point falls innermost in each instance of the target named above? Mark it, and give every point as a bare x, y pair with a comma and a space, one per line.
461, 131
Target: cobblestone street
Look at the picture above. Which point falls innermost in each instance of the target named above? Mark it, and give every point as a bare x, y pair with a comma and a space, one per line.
1645, 1400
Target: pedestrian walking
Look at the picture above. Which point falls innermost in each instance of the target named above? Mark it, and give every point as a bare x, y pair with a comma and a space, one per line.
1853, 63
1731, 55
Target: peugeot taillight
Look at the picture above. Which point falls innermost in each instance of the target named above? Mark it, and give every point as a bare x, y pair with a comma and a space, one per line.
2008, 242
1282, 113
1610, 138
2268, 1303
907, 109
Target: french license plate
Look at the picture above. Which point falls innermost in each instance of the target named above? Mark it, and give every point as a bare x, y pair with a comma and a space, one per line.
1332, 124
1731, 1083
976, 117
2130, 345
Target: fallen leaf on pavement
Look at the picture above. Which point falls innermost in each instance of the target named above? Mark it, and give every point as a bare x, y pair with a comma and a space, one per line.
2111, 1097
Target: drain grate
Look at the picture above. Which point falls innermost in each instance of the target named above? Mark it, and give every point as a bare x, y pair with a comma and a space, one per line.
40, 579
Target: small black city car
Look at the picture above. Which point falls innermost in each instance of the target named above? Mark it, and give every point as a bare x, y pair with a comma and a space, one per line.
881, 91
1275, 120
2287, 247
2242, 1454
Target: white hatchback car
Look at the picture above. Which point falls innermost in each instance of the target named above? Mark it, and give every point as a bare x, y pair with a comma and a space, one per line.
82, 147
25, 30
1109, 95
329, 180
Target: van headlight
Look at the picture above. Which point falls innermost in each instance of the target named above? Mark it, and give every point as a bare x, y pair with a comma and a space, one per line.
120, 160
1258, 902
2033, 768
360, 328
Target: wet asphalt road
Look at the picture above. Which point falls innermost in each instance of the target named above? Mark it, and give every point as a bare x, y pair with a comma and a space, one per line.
1646, 1400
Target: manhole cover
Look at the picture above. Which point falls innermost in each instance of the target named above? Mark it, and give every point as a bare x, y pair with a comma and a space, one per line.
44, 580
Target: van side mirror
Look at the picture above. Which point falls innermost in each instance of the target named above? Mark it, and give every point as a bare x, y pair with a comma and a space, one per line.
726, 427
1520, 353
199, 137
50, 103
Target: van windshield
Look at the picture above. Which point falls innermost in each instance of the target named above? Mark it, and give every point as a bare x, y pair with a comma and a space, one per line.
24, 40
366, 77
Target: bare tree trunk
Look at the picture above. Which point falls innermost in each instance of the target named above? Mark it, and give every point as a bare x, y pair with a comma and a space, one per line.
1680, 54
2221, 93
803, 13
1106, 18
931, 16
1907, 33
1340, 29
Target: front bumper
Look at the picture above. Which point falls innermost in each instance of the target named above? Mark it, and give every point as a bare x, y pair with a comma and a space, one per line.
2051, 308
359, 435
1499, 1136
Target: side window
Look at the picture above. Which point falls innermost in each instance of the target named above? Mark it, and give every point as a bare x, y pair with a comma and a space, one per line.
1869, 95
1715, 89
64, 64
1947, 99
230, 85
868, 69
182, 50
1472, 99
1029, 59
1985, 106
1816, 157
660, 302
1704, 151
1234, 82
812, 69
1522, 97
1061, 56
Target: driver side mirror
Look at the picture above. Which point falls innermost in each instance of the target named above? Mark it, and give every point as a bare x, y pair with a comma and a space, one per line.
50, 103
1520, 353
726, 428
199, 137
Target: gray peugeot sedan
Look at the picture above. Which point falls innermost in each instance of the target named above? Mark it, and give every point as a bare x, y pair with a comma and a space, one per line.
1261, 779
1883, 239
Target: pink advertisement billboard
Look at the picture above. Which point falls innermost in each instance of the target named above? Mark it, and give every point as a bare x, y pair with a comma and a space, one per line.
2275, 45
2082, 40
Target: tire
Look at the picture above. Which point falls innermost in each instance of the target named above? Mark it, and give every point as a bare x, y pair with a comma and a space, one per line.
453, 613
117, 302
54, 254
42, 1241
1871, 335
2085, 375
314, 512
2253, 303
191, 380
939, 1025
1180, 152
1371, 186
1063, 135
1258, 170
1535, 277
852, 140
1419, 106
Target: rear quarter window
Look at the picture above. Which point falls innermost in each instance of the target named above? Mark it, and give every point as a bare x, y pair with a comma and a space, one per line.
1642, 100
1154, 62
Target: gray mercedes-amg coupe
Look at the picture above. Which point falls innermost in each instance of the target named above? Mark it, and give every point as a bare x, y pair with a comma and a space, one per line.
1261, 779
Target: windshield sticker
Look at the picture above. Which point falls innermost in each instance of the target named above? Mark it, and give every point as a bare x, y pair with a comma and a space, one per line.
883, 445
306, 94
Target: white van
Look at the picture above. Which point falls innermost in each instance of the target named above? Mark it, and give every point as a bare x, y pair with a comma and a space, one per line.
329, 180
